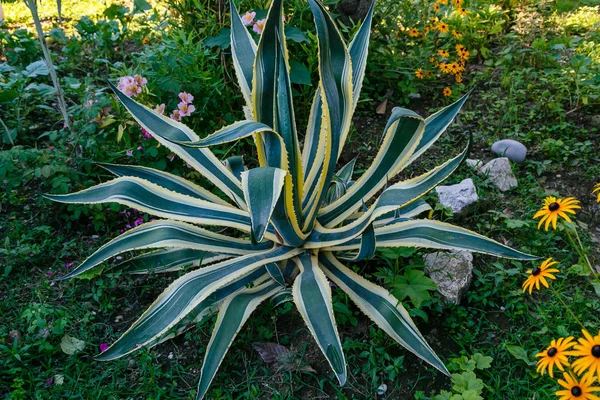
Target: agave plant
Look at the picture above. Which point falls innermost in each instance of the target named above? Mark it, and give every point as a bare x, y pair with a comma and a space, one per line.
293, 221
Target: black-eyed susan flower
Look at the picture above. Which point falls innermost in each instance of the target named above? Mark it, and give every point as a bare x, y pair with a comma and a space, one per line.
414, 32
556, 207
464, 54
443, 2
442, 27
459, 48
436, 7
445, 68
458, 78
457, 3
461, 11
456, 34
588, 351
539, 274
577, 389
447, 92
555, 355
597, 190
419, 73
443, 53
455, 68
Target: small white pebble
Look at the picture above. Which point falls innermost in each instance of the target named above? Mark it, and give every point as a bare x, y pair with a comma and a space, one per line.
170, 356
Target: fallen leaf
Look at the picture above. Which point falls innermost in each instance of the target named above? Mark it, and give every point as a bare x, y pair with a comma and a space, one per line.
70, 345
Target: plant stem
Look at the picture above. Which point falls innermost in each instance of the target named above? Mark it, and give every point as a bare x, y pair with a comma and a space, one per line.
566, 306
7, 132
581, 252
585, 254
32, 5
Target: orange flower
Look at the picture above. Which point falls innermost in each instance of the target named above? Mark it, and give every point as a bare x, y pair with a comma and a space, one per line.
419, 73
436, 8
447, 92
456, 34
443, 53
413, 32
445, 68
443, 27
461, 11
457, 3
443, 2
458, 78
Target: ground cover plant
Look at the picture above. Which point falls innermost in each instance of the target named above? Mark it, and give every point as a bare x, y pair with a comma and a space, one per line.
533, 66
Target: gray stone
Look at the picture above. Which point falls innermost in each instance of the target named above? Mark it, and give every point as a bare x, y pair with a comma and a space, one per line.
511, 149
458, 196
451, 271
500, 173
474, 163
414, 95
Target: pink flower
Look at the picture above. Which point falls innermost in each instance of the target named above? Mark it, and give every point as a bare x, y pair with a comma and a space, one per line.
103, 347
186, 97
171, 157
175, 115
125, 81
51, 148
248, 18
185, 109
259, 26
140, 80
68, 265
146, 134
138, 222
140, 148
129, 153
160, 109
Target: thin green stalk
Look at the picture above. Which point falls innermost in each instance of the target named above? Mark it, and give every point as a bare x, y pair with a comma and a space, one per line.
566, 306
7, 132
32, 5
585, 254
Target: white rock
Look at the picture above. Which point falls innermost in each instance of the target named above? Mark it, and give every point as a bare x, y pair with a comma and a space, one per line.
458, 196
451, 271
513, 150
474, 163
500, 173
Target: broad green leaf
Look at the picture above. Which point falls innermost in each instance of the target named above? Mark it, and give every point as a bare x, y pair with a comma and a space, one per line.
415, 285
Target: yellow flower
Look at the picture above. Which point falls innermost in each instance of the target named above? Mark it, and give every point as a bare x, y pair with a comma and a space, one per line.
555, 354
442, 27
443, 53
539, 274
460, 48
457, 3
588, 350
443, 2
554, 208
413, 32
597, 189
419, 73
433, 60
425, 30
455, 68
456, 34
464, 54
461, 11
577, 390
436, 8
458, 78
445, 68
447, 92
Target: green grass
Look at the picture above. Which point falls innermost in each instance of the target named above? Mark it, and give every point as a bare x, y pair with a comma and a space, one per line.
528, 99
17, 13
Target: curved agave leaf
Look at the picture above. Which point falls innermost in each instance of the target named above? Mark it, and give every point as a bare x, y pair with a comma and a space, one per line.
383, 309
436, 124
272, 98
243, 52
275, 273
436, 235
233, 314
230, 133
392, 198
359, 49
262, 187
166, 131
403, 133
235, 165
164, 179
335, 71
159, 234
183, 295
153, 199
210, 305
169, 260
312, 296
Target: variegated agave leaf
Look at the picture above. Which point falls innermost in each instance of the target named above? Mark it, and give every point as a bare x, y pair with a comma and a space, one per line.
297, 216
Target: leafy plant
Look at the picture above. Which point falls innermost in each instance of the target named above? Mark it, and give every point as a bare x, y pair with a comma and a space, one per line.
299, 231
